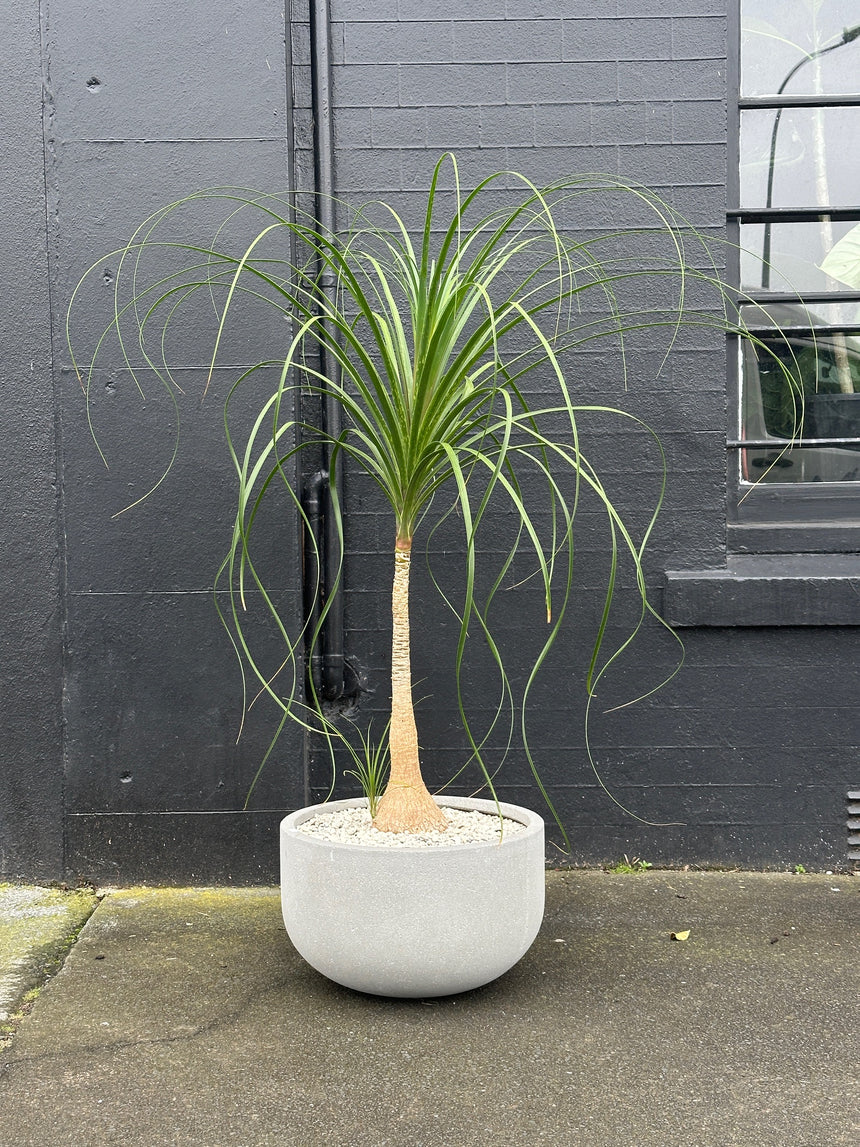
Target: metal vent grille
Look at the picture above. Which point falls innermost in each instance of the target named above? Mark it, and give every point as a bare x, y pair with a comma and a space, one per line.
854, 825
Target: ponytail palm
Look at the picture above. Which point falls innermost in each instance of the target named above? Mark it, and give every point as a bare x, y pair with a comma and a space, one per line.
428, 342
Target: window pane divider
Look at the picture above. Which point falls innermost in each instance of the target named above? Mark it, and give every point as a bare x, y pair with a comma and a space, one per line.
789, 443
751, 102
752, 296
792, 214
823, 331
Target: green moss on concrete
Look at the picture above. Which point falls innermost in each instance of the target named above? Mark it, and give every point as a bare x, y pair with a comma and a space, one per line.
38, 926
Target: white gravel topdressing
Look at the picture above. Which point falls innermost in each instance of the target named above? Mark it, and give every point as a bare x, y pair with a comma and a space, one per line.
353, 826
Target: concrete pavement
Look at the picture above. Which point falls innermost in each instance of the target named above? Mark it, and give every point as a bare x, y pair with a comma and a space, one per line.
185, 1017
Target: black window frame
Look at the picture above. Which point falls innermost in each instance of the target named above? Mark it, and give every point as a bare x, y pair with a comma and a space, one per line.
776, 517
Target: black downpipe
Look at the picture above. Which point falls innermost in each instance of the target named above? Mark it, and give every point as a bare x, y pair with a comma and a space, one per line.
312, 587
332, 669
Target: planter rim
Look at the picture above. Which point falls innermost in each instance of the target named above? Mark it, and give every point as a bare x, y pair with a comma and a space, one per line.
533, 824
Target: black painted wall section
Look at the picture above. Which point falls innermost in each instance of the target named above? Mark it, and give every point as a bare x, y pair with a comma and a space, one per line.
30, 666
751, 748
150, 104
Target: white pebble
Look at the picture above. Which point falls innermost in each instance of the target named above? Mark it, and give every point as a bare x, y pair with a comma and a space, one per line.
354, 826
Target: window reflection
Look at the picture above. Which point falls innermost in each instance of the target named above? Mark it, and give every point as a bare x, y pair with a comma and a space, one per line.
804, 386
776, 37
797, 253
809, 167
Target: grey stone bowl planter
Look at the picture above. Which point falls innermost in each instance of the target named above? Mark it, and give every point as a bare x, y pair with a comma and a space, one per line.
413, 921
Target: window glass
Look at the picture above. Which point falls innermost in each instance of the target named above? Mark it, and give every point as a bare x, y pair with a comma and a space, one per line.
795, 157
801, 384
814, 406
800, 394
779, 38
796, 256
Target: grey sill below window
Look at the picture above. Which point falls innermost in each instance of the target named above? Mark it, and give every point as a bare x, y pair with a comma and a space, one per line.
767, 589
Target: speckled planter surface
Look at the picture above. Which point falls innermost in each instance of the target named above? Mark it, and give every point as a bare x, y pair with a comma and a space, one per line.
413, 921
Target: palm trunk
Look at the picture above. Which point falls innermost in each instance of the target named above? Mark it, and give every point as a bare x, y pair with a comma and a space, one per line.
406, 805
